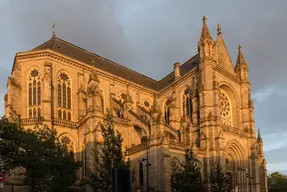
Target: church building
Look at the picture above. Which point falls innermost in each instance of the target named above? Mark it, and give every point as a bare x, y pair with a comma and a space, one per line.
203, 104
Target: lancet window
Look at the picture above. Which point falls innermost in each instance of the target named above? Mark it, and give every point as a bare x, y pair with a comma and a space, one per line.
167, 112
187, 104
34, 93
64, 97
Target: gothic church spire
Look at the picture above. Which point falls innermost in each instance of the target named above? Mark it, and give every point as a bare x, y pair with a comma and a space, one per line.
206, 43
241, 67
205, 34
240, 58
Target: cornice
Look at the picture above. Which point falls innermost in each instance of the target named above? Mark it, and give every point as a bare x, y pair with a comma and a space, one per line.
176, 83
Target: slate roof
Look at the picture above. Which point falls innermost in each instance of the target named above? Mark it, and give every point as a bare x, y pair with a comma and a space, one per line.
60, 46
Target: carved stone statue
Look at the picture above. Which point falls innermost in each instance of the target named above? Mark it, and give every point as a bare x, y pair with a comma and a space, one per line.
93, 83
47, 84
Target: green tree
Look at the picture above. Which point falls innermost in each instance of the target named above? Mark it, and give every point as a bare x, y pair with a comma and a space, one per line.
218, 180
45, 159
109, 155
277, 182
186, 176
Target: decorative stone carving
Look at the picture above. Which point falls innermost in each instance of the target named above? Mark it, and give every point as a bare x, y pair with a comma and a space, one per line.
47, 83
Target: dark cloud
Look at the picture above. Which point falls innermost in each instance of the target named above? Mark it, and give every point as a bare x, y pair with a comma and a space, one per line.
149, 36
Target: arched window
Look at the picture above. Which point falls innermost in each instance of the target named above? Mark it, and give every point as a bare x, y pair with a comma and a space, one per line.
68, 143
187, 104
34, 93
167, 112
64, 97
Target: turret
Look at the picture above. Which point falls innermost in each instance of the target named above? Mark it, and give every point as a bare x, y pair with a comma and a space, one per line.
260, 144
176, 68
259, 138
241, 67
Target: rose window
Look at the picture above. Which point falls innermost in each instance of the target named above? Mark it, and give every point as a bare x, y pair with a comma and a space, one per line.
225, 106
146, 104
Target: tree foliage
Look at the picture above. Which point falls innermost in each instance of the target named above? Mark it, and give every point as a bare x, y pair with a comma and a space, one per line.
277, 182
47, 163
218, 180
186, 176
108, 155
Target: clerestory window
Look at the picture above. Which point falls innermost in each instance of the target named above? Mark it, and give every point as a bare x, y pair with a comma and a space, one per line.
64, 97
34, 93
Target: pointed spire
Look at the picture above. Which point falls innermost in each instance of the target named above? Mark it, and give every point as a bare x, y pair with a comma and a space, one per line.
259, 138
205, 34
240, 58
53, 33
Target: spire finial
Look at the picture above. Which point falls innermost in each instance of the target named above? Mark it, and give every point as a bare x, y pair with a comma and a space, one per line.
204, 19
53, 27
219, 29
239, 47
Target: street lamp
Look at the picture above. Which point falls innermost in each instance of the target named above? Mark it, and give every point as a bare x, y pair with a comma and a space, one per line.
147, 159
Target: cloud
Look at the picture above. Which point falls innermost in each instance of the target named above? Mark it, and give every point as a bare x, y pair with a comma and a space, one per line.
277, 156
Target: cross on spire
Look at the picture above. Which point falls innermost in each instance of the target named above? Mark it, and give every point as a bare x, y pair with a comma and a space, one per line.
204, 19
239, 47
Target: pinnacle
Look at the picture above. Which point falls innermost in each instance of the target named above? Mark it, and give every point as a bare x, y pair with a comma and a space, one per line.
205, 34
240, 57
259, 138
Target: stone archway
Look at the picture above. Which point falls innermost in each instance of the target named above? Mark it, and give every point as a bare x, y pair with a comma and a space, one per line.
234, 162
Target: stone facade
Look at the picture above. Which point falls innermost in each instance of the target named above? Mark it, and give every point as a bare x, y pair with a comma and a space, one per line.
204, 104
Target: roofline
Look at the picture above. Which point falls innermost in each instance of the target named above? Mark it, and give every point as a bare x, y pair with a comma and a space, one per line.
89, 52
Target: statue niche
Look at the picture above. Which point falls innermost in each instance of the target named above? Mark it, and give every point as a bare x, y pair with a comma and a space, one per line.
94, 93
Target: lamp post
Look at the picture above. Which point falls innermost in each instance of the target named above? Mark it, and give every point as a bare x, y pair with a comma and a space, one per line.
147, 158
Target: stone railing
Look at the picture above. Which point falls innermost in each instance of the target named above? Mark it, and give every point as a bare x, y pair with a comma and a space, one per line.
176, 144
137, 148
29, 121
121, 121
65, 123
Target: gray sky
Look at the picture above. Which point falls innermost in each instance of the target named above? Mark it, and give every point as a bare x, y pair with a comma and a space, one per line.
149, 36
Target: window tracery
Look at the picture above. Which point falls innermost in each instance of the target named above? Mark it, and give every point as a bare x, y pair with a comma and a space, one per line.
64, 97
225, 105
34, 93
146, 104
187, 104
225, 108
